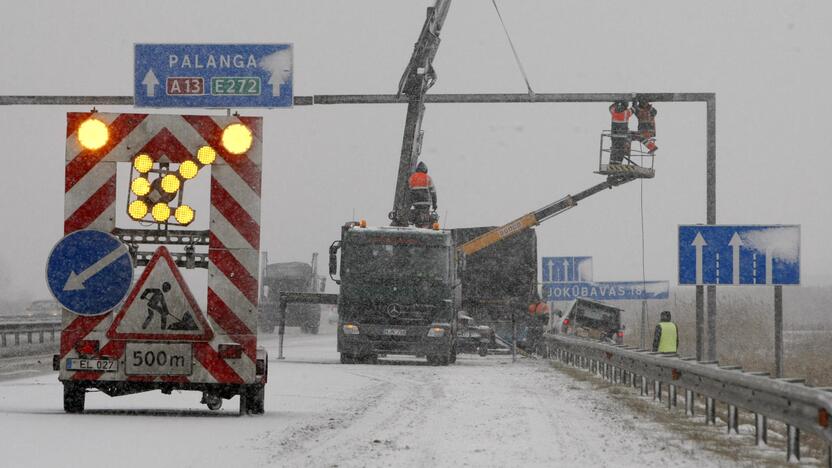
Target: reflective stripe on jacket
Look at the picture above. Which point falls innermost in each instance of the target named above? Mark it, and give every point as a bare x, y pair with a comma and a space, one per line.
668, 339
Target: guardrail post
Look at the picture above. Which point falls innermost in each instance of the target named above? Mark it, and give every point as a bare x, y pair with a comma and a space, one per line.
761, 432
643, 386
710, 411
17, 338
733, 423
52, 335
657, 390
29, 337
40, 336
671, 396
689, 402
793, 444
4, 339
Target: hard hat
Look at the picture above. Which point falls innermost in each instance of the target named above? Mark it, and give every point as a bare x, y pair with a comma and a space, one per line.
421, 167
665, 315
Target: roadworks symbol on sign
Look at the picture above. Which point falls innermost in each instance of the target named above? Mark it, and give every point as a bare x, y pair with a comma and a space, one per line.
160, 307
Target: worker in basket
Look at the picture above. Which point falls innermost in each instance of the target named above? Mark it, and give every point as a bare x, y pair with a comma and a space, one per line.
422, 197
620, 132
646, 134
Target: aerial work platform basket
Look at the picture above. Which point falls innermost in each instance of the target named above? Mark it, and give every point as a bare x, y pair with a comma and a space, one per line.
636, 162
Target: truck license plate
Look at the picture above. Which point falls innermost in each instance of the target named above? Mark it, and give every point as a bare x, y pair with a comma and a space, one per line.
98, 365
395, 331
158, 359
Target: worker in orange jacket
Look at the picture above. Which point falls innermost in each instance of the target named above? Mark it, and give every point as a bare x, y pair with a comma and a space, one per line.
620, 132
646, 134
422, 196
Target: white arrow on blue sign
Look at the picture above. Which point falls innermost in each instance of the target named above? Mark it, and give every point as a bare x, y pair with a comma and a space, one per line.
89, 272
213, 75
739, 254
560, 269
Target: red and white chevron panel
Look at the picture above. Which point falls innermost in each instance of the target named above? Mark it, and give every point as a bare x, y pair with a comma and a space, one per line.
233, 254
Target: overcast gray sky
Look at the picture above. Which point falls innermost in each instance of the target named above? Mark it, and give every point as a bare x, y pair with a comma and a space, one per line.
768, 62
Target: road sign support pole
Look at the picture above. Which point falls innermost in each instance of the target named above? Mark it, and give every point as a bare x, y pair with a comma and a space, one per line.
710, 177
778, 331
513, 337
644, 324
700, 323
281, 328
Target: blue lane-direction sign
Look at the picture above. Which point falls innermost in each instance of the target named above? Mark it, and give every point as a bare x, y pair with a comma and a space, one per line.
606, 290
560, 269
739, 255
213, 75
89, 272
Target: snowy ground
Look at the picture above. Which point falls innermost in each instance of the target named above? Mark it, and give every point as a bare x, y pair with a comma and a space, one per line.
479, 412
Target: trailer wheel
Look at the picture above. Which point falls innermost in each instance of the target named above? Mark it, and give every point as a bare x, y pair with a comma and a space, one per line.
483, 351
347, 358
73, 398
313, 329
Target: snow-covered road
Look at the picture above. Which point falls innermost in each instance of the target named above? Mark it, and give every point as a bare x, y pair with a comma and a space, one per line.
479, 412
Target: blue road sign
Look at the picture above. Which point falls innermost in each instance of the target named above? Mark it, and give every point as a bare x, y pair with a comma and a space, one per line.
606, 290
89, 272
739, 255
213, 75
560, 269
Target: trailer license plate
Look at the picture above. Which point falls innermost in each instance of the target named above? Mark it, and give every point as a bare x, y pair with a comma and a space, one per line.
395, 331
158, 359
98, 365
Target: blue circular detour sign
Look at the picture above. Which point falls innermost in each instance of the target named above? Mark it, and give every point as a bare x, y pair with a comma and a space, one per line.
89, 272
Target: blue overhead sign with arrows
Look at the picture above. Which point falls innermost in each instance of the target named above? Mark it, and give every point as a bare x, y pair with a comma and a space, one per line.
739, 255
213, 75
560, 269
89, 272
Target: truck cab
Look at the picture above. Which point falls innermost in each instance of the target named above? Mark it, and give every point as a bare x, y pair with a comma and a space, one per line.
399, 293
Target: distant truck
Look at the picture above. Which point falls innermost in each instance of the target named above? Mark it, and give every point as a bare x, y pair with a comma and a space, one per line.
291, 277
499, 280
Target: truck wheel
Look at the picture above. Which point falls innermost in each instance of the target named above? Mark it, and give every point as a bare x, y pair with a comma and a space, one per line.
252, 399
370, 359
73, 398
313, 329
483, 350
434, 360
347, 358
303, 328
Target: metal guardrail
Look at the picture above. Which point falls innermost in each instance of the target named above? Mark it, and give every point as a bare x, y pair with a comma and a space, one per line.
11, 331
800, 407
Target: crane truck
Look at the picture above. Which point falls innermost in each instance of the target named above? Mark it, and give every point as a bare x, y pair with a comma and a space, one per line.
402, 287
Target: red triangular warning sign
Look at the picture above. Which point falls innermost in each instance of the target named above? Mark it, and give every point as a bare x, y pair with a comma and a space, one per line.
160, 307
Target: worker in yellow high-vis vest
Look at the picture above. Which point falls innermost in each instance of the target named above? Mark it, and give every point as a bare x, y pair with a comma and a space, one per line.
666, 339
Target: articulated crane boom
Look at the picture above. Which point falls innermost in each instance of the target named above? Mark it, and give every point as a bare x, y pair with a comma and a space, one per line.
536, 217
418, 77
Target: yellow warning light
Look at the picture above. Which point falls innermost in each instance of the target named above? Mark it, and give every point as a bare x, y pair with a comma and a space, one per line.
184, 215
137, 209
206, 155
93, 134
188, 170
236, 138
143, 163
140, 186
435, 226
160, 212
362, 223
170, 183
